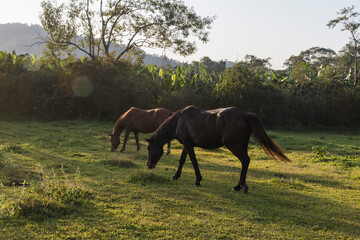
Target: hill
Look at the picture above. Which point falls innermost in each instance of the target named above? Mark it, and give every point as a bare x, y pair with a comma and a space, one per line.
21, 38
24, 38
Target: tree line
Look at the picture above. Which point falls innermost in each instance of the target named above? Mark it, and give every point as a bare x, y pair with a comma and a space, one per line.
315, 89
318, 87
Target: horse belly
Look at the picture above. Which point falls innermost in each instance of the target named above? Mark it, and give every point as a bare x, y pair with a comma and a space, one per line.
209, 145
207, 139
144, 126
145, 129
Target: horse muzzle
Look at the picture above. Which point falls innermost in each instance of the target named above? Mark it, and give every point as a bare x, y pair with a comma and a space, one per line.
150, 165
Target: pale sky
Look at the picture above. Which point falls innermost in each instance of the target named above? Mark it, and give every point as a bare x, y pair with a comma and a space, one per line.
264, 28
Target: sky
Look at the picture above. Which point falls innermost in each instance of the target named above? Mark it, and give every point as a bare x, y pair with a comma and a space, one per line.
264, 28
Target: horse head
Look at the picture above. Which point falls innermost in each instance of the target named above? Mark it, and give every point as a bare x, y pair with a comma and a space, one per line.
115, 142
155, 151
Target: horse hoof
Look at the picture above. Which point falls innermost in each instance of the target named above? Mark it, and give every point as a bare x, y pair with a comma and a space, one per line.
175, 177
197, 185
244, 188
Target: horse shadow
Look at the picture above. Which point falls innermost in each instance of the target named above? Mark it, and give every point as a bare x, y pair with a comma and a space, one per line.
269, 201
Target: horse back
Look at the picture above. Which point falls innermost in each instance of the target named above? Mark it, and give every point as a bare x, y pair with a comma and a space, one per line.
236, 127
211, 128
160, 114
145, 121
200, 128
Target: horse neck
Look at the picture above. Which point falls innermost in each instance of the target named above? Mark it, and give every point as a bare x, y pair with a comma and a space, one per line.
118, 127
167, 130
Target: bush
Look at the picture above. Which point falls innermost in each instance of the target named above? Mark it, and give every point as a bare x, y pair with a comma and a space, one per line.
71, 89
246, 90
77, 89
51, 197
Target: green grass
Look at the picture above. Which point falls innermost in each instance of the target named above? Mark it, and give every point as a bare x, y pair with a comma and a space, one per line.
75, 188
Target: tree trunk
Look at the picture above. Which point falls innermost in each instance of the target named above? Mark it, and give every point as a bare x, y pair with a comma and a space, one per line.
355, 64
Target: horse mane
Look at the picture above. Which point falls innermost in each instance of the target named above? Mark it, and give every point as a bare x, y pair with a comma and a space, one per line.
119, 123
166, 131
116, 128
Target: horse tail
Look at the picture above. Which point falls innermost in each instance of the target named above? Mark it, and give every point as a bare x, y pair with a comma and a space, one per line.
270, 147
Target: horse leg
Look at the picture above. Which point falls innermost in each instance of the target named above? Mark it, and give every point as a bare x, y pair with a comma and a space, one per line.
190, 151
127, 132
181, 164
137, 140
242, 155
169, 149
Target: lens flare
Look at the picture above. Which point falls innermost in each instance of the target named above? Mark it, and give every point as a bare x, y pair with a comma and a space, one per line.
82, 86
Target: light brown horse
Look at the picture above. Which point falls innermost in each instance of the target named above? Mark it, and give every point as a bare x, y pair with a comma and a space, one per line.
138, 120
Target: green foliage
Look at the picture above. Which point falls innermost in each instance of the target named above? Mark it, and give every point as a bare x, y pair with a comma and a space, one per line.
115, 30
309, 92
256, 64
349, 19
52, 196
64, 190
210, 65
77, 88
177, 88
11, 63
176, 78
248, 90
319, 152
314, 56
322, 155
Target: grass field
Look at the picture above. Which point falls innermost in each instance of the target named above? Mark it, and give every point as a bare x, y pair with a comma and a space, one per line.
59, 180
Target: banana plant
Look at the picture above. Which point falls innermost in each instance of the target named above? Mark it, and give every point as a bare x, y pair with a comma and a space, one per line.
177, 78
13, 63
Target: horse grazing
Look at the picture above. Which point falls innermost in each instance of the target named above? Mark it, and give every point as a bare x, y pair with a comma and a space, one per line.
138, 120
212, 129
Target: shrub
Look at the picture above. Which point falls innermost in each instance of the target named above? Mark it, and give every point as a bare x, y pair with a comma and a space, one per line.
319, 152
246, 90
322, 155
53, 196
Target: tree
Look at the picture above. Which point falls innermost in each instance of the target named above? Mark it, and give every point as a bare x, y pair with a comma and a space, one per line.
315, 56
305, 67
259, 65
119, 28
348, 17
254, 61
208, 64
213, 66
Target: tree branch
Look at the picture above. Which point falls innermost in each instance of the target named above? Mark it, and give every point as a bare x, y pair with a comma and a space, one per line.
91, 36
67, 43
131, 44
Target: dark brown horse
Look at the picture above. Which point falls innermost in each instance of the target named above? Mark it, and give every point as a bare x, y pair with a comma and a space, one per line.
138, 120
212, 129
